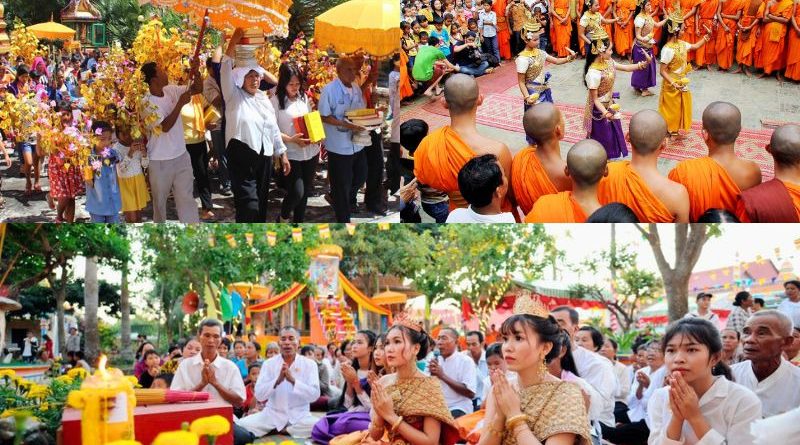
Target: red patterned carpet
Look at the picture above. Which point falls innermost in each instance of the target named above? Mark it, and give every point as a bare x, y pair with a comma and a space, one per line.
505, 111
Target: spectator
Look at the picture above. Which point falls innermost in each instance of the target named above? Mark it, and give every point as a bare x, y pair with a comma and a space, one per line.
30, 347
74, 340
467, 56
483, 185
741, 311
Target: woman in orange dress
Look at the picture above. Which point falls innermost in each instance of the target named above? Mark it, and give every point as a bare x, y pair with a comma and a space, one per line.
730, 11
623, 28
793, 53
503, 31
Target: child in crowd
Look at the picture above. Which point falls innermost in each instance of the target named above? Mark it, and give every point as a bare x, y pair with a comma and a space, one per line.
153, 362
251, 404
130, 170
66, 180
435, 203
162, 381
103, 200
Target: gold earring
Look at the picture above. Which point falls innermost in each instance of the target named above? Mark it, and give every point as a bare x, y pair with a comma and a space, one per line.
543, 369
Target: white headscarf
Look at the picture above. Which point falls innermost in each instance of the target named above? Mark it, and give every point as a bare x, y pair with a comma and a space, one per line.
239, 73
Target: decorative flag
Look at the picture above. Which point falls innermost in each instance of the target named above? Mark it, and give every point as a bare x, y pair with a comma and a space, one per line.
237, 304
211, 241
271, 238
761, 281
383, 226
297, 234
324, 231
351, 228
212, 311
269, 316
727, 285
362, 320
231, 240
249, 237
299, 308
226, 305
726, 272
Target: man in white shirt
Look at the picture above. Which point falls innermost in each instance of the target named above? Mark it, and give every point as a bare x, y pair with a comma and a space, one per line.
456, 372
592, 367
774, 380
704, 309
475, 350
212, 373
483, 184
791, 305
170, 168
30, 347
289, 383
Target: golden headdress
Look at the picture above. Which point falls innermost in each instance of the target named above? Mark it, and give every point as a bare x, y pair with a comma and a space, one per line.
674, 18
531, 305
531, 25
404, 319
598, 36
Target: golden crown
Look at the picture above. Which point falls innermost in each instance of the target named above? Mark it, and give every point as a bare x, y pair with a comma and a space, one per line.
598, 37
531, 305
531, 26
674, 18
405, 319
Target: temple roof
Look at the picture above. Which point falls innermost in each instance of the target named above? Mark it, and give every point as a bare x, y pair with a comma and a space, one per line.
81, 10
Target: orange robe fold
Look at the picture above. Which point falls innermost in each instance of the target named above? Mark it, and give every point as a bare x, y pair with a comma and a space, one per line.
709, 186
746, 43
625, 186
793, 48
772, 54
689, 34
706, 13
558, 208
559, 34
466, 424
623, 37
794, 193
503, 32
529, 180
438, 160
609, 27
724, 42
405, 80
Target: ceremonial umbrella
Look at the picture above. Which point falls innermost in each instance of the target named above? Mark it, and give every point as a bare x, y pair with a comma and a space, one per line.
52, 30
367, 25
272, 16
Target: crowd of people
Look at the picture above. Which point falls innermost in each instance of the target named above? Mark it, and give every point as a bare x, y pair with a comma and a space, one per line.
253, 136
542, 377
459, 175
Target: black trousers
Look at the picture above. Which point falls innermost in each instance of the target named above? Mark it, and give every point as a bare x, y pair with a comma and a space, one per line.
199, 154
250, 173
300, 185
635, 433
346, 174
375, 194
393, 168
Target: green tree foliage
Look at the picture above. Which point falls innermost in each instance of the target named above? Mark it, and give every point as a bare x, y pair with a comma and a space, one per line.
34, 11
39, 301
303, 13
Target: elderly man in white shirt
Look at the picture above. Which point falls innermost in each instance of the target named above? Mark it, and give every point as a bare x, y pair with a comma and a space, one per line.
252, 136
212, 373
774, 380
289, 383
475, 351
456, 372
592, 367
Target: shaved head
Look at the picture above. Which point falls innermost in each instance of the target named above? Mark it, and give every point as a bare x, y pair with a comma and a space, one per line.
461, 93
723, 122
586, 162
647, 131
785, 145
541, 120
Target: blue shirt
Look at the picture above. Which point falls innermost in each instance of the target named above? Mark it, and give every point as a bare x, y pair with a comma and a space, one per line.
334, 101
242, 364
102, 196
489, 30
444, 40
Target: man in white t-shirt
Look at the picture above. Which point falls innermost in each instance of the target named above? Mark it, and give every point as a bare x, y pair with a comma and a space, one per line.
704, 309
483, 184
30, 347
170, 164
791, 305
456, 372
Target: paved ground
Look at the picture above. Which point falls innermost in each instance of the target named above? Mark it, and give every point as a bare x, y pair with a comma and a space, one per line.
758, 99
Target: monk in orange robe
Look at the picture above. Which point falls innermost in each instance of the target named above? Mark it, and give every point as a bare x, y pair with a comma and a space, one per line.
793, 46
637, 183
773, 37
560, 27
539, 169
587, 163
405, 80
623, 29
443, 152
749, 27
706, 19
777, 200
730, 12
689, 11
715, 181
607, 10
503, 31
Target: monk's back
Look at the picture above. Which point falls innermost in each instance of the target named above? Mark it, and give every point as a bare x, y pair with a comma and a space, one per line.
744, 173
672, 194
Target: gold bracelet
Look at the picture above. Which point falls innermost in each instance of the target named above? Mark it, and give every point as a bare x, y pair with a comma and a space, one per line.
516, 420
396, 425
492, 431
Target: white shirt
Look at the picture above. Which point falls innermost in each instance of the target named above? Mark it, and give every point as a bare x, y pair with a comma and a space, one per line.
623, 374
169, 144
469, 216
287, 404
129, 166
791, 309
462, 369
637, 408
728, 408
481, 373
30, 344
298, 107
710, 316
394, 105
599, 373
363, 398
511, 376
779, 393
190, 374
249, 118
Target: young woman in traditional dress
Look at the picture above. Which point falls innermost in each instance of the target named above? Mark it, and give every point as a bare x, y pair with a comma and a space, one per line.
600, 117
530, 66
408, 405
592, 17
646, 26
544, 410
675, 102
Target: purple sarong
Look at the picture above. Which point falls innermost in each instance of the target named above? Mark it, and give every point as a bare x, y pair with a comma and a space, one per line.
333, 425
608, 132
646, 78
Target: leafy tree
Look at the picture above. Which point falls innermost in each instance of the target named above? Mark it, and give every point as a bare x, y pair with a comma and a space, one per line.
303, 13
39, 301
34, 11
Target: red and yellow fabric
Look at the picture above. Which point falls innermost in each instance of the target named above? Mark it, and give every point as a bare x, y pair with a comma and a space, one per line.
272, 16
278, 300
361, 299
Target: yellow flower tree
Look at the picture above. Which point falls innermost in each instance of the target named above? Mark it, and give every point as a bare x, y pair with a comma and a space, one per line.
170, 49
24, 43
